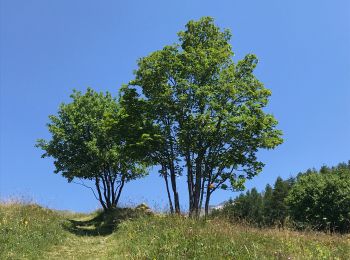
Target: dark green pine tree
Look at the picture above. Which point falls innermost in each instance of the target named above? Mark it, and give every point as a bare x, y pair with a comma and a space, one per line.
249, 207
255, 214
279, 206
267, 206
241, 206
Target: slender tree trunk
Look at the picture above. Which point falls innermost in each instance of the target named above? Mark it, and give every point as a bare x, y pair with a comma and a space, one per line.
207, 200
113, 191
113, 199
165, 175
177, 203
207, 197
197, 186
120, 191
173, 174
173, 184
108, 187
202, 194
97, 184
190, 191
105, 194
189, 182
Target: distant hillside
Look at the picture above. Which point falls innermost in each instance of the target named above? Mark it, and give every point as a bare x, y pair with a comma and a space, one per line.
213, 207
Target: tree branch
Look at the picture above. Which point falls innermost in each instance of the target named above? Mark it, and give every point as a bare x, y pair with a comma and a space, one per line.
86, 186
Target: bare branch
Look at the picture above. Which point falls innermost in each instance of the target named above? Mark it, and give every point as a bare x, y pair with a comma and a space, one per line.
86, 186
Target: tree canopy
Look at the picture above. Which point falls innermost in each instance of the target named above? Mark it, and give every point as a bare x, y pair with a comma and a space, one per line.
209, 111
96, 138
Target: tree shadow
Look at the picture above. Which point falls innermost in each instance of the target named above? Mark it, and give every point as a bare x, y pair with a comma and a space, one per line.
104, 223
86, 228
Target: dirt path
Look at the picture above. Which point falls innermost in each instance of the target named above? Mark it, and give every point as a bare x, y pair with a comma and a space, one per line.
83, 241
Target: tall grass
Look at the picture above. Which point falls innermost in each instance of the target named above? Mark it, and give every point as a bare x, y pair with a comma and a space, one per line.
167, 237
26, 230
33, 232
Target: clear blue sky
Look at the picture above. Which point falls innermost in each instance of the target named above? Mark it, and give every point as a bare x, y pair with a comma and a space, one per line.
50, 47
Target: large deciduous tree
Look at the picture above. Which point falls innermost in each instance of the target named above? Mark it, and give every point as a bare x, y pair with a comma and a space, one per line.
209, 111
98, 139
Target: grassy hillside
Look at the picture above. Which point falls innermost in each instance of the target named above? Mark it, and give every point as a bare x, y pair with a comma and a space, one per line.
26, 231
30, 231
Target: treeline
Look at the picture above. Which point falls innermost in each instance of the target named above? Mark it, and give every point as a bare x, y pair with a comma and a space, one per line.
317, 199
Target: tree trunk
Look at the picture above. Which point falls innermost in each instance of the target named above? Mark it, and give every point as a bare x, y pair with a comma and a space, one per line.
120, 191
97, 184
105, 194
165, 175
108, 188
177, 203
207, 200
174, 188
190, 184
197, 187
202, 194
207, 197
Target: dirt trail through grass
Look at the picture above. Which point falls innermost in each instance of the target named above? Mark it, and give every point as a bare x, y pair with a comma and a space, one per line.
84, 240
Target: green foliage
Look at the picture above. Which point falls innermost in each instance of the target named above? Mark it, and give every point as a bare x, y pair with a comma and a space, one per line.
278, 205
96, 138
248, 207
27, 230
268, 206
264, 209
86, 137
209, 110
315, 199
322, 199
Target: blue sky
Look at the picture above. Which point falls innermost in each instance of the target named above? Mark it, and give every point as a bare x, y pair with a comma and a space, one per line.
50, 47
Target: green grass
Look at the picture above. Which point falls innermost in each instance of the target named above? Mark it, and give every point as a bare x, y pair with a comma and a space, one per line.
133, 234
26, 231
181, 238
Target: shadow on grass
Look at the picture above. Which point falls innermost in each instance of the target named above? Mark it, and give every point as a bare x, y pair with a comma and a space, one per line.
104, 223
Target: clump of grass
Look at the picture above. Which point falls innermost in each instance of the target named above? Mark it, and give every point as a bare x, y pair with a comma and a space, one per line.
174, 237
28, 229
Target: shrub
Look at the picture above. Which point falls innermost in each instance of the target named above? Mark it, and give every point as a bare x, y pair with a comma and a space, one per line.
322, 200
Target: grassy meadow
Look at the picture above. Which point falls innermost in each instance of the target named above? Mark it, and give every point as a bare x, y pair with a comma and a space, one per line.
29, 231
